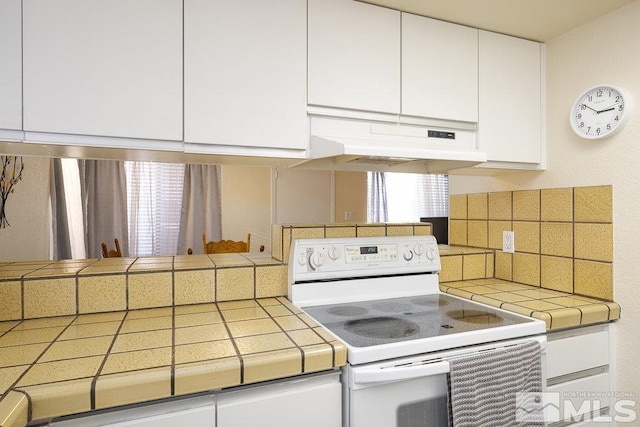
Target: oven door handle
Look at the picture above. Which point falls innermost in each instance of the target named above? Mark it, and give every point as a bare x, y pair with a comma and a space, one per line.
396, 373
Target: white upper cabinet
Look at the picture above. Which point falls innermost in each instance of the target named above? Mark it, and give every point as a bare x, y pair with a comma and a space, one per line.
510, 121
439, 69
354, 56
10, 65
103, 67
245, 74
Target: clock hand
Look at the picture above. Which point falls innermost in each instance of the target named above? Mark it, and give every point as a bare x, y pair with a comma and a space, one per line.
607, 109
596, 111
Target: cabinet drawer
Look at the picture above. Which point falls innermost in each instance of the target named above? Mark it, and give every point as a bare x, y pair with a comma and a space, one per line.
575, 353
585, 395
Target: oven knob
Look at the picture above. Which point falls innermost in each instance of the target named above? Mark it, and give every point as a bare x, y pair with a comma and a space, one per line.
408, 255
418, 249
334, 253
302, 259
431, 253
316, 260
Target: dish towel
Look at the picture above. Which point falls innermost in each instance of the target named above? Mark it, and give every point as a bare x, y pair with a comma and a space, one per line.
497, 388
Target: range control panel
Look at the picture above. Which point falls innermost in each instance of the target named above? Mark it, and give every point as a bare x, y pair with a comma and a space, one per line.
321, 259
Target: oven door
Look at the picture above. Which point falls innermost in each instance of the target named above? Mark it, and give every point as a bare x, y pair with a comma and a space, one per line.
402, 395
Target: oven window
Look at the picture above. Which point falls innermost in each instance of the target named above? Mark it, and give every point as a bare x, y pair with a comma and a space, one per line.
432, 412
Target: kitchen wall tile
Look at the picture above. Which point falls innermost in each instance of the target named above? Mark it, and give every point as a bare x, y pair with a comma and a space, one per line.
49, 297
556, 238
458, 206
276, 364
504, 266
307, 232
593, 279
192, 262
21, 354
205, 376
234, 283
74, 331
10, 300
102, 293
539, 305
271, 281
500, 206
150, 290
149, 313
253, 327
450, 268
474, 266
527, 236
61, 398
593, 241
544, 316
594, 204
132, 387
348, 231
495, 233
556, 204
556, 273
197, 319
263, 343
9, 375
45, 322
614, 310
478, 233
230, 260
526, 268
370, 230
194, 286
526, 205
399, 230
458, 232
290, 323
146, 324
478, 206
200, 333
422, 230
277, 237
491, 265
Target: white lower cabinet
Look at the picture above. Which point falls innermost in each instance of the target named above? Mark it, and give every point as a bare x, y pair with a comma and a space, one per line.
580, 376
310, 401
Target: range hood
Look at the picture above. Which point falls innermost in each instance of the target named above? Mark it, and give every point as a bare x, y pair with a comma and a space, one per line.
360, 145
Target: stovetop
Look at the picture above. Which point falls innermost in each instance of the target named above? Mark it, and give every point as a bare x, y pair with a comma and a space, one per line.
379, 322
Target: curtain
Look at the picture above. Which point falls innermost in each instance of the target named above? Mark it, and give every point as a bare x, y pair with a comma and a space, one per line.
59, 218
433, 193
377, 210
154, 196
201, 207
104, 204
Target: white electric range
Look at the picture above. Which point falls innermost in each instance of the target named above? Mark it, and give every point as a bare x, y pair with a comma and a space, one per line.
381, 297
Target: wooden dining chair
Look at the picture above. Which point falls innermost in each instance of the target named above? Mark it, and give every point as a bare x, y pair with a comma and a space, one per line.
110, 253
225, 246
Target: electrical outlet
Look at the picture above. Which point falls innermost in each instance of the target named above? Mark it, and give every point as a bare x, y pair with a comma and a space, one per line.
508, 242
348, 216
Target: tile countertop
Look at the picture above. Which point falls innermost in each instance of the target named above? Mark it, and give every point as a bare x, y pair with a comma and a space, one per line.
73, 364
559, 310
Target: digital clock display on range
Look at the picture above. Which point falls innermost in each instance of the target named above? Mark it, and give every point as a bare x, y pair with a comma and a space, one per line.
364, 250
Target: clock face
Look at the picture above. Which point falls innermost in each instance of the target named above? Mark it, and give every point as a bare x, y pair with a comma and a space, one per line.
600, 112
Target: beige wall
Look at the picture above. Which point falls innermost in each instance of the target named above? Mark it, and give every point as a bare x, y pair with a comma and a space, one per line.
351, 196
29, 235
603, 51
246, 201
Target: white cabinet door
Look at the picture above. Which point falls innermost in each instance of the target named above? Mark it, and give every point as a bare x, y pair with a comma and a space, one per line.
439, 69
310, 402
354, 56
510, 120
11, 65
245, 73
103, 67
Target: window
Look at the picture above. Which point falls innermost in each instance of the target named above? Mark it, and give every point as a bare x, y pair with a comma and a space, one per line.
154, 203
406, 197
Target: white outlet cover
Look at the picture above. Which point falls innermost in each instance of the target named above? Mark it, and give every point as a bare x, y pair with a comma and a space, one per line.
508, 242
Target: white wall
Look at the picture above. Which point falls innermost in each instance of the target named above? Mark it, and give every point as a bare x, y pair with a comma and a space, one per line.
246, 205
28, 237
604, 51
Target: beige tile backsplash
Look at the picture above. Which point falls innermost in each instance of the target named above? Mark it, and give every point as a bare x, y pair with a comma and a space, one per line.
563, 236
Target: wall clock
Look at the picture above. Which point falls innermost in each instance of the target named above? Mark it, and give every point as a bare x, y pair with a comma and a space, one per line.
600, 111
